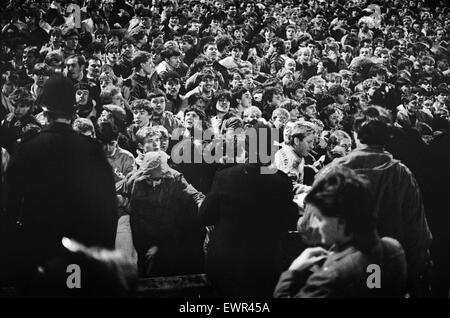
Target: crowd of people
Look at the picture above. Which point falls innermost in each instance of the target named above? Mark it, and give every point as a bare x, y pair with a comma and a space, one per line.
145, 126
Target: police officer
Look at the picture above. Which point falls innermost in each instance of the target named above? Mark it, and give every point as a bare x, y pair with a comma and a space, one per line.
58, 184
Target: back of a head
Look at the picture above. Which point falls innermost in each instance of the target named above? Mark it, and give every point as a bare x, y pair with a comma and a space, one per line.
58, 96
372, 126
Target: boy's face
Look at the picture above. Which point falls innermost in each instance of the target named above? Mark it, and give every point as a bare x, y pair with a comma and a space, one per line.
172, 87
280, 121
211, 51
128, 50
174, 61
158, 104
20, 111
208, 84
73, 69
237, 81
191, 120
223, 105
236, 53
28, 59
186, 46
140, 117
110, 148
152, 143
82, 96
311, 111
94, 68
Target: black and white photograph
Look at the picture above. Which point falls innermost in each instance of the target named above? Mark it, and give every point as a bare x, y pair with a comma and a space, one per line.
223, 154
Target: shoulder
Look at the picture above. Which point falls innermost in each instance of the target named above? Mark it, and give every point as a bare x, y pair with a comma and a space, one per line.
126, 153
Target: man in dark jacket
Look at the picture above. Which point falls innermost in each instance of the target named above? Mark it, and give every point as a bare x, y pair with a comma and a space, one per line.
167, 232
343, 209
398, 199
59, 184
251, 212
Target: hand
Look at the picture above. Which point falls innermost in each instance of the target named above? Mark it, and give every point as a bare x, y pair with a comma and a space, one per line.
309, 257
301, 188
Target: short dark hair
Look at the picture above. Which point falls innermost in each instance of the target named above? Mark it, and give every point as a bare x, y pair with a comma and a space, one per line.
343, 194
373, 125
305, 102
143, 104
81, 60
155, 93
140, 57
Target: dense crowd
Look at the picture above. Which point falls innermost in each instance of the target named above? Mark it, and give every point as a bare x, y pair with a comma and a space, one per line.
174, 91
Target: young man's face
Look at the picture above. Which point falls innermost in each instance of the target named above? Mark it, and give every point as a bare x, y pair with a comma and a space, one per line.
335, 119
141, 117
112, 56
28, 59
146, 22
208, 84
364, 52
290, 33
174, 21
110, 148
106, 83
319, 88
174, 61
246, 99
192, 120
211, 51
186, 46
311, 111
128, 50
82, 96
148, 66
248, 83
303, 147
71, 42
236, 81
158, 104
280, 121
20, 111
73, 69
331, 229
236, 53
94, 67
223, 105
172, 87
152, 143
413, 107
